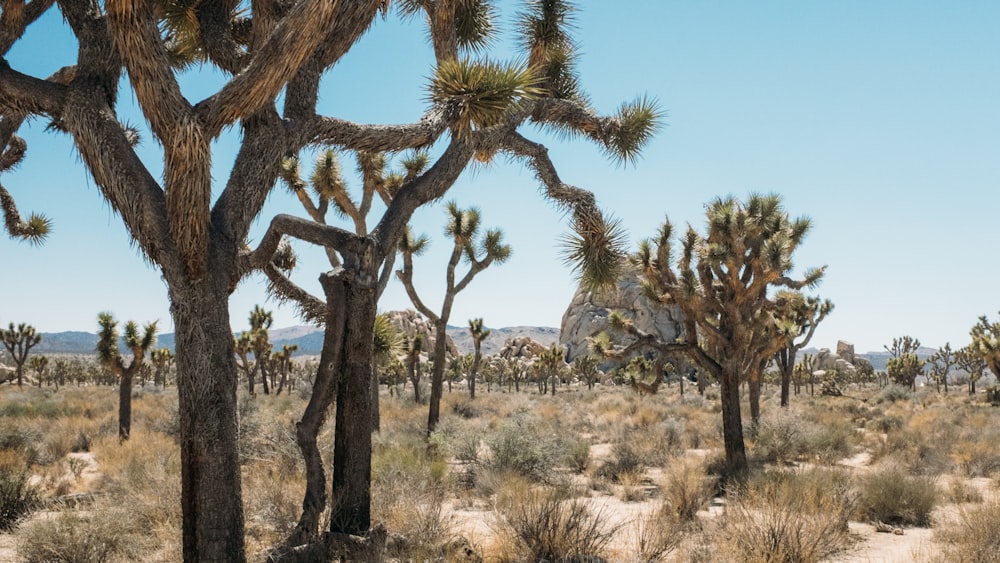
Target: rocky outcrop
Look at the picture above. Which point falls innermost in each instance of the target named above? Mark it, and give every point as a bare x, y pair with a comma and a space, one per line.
410, 323
587, 315
521, 348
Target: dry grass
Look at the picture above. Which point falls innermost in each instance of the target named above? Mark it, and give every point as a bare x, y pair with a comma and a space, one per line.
973, 537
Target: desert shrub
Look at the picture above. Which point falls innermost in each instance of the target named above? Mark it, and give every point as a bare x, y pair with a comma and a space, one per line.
920, 452
780, 437
517, 448
465, 409
18, 498
657, 534
686, 489
789, 517
547, 526
973, 537
831, 442
886, 423
893, 496
71, 537
578, 455
960, 492
624, 460
892, 393
420, 526
976, 454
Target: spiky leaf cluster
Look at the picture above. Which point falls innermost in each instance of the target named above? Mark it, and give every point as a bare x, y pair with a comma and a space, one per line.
481, 92
986, 342
595, 250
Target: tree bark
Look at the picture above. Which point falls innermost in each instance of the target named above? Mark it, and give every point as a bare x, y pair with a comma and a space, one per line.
732, 425
308, 428
753, 386
437, 374
352, 449
475, 370
125, 404
211, 500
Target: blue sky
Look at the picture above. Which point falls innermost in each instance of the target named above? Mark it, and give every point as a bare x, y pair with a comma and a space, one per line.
879, 120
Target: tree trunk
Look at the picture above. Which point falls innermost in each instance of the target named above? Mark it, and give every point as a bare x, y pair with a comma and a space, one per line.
475, 370
308, 428
125, 404
437, 375
352, 448
211, 500
732, 425
754, 396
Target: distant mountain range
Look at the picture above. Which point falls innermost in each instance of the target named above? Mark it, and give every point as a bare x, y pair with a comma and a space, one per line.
309, 339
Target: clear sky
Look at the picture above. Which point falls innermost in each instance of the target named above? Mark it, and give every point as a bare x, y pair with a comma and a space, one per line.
879, 120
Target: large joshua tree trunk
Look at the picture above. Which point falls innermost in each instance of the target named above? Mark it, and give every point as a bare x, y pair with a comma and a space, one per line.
210, 470
732, 422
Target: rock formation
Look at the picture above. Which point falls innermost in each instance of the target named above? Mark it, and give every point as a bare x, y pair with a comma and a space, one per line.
411, 323
587, 315
521, 348
844, 361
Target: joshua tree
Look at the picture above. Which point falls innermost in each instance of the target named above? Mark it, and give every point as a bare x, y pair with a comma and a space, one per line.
479, 333
940, 364
281, 366
971, 362
110, 357
904, 366
463, 230
804, 313
255, 341
725, 284
585, 367
986, 343
803, 372
271, 61
163, 360
39, 365
18, 343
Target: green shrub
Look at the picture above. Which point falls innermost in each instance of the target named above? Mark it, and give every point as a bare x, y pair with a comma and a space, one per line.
892, 496
516, 448
892, 393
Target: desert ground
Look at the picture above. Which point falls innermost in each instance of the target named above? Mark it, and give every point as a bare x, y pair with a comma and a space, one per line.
885, 475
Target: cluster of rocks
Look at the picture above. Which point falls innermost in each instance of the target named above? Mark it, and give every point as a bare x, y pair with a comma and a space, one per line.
521, 348
587, 315
410, 323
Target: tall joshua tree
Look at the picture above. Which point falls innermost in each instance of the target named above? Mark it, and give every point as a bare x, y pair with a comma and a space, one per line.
256, 341
725, 284
479, 333
19, 342
480, 253
271, 59
803, 313
110, 357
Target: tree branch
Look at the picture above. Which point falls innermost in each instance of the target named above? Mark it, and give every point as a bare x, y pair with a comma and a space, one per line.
302, 229
378, 138
293, 41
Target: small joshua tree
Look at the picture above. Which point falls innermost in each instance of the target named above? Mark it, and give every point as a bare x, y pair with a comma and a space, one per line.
804, 313
110, 357
969, 360
479, 333
585, 368
463, 229
904, 366
255, 341
940, 364
39, 365
163, 360
18, 342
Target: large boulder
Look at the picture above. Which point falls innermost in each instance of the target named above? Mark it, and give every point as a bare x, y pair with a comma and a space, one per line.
846, 351
411, 323
587, 315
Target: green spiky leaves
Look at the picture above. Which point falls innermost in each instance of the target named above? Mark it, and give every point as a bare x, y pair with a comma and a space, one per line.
481, 92
474, 26
637, 122
35, 230
595, 250
411, 244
